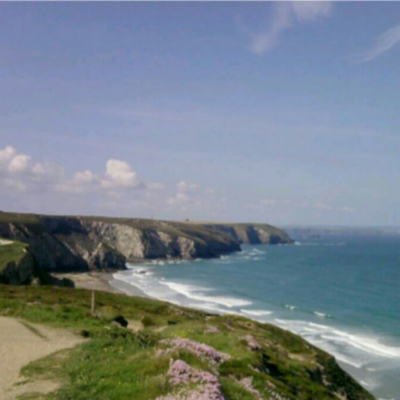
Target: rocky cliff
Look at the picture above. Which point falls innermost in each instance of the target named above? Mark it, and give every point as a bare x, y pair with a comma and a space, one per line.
17, 265
87, 243
253, 233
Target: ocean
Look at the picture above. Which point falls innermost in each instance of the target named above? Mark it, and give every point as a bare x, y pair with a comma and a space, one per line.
341, 292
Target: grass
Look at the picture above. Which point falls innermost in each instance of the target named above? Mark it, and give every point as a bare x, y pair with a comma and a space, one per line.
11, 252
117, 363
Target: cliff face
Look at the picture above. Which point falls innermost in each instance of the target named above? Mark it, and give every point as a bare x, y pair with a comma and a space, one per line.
19, 267
19, 271
84, 243
253, 233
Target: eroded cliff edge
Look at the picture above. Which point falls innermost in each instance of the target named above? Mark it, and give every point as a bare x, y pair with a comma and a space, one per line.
86, 243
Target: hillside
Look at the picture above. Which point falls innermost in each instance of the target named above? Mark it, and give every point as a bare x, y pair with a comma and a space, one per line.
144, 349
100, 243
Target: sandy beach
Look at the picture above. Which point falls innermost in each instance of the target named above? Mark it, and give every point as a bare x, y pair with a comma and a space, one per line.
102, 281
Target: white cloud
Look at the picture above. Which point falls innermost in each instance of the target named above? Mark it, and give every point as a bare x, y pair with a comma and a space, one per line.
39, 169
81, 181
120, 174
86, 177
180, 198
286, 15
18, 172
21, 173
383, 43
6, 155
186, 193
184, 187
19, 163
193, 196
311, 10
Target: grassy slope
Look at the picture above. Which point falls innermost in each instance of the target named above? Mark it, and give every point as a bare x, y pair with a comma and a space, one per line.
11, 252
119, 364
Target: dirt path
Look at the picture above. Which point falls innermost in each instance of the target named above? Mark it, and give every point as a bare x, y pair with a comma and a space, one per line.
21, 343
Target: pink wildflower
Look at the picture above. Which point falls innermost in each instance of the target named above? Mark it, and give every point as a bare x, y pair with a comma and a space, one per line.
200, 350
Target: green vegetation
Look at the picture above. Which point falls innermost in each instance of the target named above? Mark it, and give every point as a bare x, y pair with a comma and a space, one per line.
14, 251
118, 363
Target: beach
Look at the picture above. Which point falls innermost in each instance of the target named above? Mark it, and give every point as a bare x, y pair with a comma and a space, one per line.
102, 281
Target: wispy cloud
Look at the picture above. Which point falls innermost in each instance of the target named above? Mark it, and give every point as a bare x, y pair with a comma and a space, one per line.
383, 43
286, 15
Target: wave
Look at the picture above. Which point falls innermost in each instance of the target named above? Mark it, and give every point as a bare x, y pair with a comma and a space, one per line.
256, 313
319, 244
257, 251
322, 315
368, 355
370, 345
354, 349
191, 292
292, 308
307, 311
350, 348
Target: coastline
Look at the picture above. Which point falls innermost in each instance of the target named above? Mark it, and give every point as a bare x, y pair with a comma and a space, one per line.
357, 351
101, 281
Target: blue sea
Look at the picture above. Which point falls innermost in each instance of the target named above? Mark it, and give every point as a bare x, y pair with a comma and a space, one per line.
339, 292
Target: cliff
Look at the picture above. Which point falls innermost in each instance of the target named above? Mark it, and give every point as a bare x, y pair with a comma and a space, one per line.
19, 267
16, 263
89, 243
253, 233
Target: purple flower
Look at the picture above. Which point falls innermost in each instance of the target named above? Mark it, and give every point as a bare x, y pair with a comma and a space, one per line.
252, 343
200, 350
247, 383
207, 384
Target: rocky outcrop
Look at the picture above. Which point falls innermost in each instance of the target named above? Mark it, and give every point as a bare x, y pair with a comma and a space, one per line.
105, 257
19, 267
87, 243
19, 272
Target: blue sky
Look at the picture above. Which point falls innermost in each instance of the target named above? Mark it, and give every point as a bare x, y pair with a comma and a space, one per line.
275, 112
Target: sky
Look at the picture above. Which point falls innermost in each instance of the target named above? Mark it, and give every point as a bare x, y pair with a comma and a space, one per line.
278, 112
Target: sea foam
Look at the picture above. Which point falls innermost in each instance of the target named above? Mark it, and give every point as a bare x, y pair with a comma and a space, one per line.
256, 313
194, 293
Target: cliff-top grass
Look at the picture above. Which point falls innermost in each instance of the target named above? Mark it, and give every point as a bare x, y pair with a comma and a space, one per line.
243, 359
